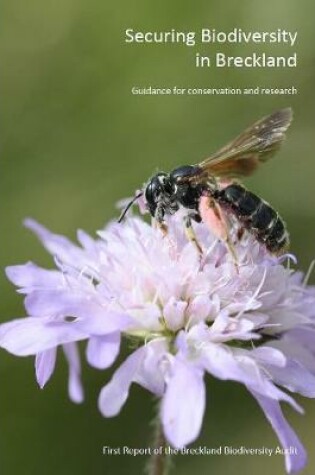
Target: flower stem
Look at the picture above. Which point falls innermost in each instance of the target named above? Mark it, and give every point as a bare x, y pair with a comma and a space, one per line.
159, 463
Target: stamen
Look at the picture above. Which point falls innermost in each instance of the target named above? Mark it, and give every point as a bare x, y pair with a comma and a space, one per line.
254, 296
309, 272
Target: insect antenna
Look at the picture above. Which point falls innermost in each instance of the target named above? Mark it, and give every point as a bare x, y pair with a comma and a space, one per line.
125, 210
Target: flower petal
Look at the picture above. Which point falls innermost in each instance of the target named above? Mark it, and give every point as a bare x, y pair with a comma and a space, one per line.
294, 462
150, 374
59, 245
269, 355
183, 405
74, 383
295, 377
28, 336
239, 365
199, 309
218, 360
173, 313
102, 351
45, 365
114, 395
297, 349
227, 328
91, 316
46, 302
29, 276
87, 242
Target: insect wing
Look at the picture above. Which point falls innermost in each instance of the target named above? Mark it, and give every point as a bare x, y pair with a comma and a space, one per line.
256, 144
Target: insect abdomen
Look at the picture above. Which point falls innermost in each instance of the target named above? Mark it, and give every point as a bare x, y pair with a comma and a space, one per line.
257, 216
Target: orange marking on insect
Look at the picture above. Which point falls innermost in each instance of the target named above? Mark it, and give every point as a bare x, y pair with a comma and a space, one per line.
213, 217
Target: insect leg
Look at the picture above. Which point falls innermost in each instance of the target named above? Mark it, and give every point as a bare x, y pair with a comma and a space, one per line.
159, 223
158, 219
232, 251
162, 227
240, 233
190, 233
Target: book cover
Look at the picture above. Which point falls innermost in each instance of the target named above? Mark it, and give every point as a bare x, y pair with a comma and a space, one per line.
181, 339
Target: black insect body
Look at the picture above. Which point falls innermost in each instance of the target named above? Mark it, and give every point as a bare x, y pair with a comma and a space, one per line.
255, 215
210, 191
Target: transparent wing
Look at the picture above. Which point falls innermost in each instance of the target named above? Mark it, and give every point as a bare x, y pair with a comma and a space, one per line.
256, 144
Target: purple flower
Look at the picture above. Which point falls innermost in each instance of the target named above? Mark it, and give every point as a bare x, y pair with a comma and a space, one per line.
188, 316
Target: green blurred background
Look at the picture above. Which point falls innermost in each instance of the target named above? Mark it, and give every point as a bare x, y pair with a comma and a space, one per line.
74, 141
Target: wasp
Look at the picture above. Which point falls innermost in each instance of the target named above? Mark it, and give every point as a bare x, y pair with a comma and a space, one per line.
211, 192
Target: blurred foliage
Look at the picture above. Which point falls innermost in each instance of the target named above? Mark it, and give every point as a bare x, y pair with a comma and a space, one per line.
74, 141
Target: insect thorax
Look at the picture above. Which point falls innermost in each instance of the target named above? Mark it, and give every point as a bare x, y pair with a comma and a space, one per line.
166, 193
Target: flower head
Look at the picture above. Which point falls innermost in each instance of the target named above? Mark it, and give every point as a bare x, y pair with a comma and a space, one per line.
189, 317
